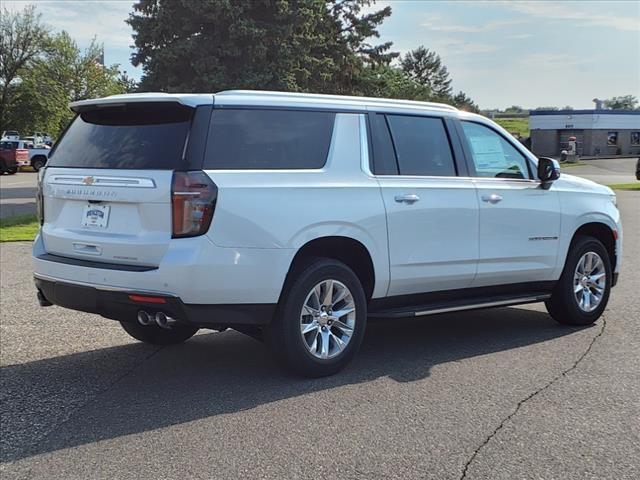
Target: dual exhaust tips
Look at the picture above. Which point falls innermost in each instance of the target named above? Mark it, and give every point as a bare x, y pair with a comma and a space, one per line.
160, 318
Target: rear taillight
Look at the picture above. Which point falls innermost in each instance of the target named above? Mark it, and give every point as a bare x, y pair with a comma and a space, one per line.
40, 196
193, 200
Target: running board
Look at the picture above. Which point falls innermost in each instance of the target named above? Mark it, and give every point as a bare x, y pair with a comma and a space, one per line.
458, 306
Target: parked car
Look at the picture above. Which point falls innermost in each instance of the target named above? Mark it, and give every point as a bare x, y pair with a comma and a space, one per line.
11, 157
36, 155
10, 136
638, 169
295, 217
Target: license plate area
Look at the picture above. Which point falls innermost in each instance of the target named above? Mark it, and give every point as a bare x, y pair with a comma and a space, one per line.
95, 216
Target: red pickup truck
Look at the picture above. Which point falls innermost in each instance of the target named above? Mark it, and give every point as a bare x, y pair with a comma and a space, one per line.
11, 156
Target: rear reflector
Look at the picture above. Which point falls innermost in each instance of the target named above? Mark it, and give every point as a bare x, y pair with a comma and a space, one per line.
146, 299
193, 200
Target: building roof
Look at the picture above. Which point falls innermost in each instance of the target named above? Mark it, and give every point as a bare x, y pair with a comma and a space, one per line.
585, 112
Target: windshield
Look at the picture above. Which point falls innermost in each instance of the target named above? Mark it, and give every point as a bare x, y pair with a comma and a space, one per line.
130, 136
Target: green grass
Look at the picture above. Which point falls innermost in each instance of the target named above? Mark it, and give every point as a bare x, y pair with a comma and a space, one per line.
19, 227
514, 125
625, 186
564, 165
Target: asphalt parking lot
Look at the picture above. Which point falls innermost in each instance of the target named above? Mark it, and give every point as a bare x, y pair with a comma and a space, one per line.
494, 394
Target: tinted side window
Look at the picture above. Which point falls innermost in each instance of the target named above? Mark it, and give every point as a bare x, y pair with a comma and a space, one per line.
492, 155
268, 139
384, 157
422, 146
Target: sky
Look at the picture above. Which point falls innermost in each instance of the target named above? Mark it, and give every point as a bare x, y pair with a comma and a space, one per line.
501, 53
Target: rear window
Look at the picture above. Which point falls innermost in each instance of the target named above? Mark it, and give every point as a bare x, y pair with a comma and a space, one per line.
132, 136
268, 139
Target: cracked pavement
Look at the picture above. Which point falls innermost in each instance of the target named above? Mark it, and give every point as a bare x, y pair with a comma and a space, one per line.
494, 394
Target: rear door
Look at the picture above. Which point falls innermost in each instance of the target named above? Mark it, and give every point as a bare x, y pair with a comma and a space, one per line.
107, 185
432, 211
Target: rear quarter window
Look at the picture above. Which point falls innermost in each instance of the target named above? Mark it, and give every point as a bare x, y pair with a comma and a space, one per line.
268, 139
132, 136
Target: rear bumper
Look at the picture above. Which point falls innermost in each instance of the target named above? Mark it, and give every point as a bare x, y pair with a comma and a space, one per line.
116, 304
192, 269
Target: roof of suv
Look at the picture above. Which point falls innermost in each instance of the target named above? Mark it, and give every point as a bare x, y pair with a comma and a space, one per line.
265, 98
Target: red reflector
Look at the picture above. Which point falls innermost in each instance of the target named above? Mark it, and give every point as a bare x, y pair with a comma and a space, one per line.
145, 299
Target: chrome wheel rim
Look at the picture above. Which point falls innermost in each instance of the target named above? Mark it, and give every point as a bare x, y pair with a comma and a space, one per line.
328, 319
589, 281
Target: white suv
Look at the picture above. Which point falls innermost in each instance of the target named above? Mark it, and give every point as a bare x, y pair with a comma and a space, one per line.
295, 217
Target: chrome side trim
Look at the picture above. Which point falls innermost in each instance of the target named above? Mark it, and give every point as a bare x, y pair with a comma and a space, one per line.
101, 181
108, 288
501, 303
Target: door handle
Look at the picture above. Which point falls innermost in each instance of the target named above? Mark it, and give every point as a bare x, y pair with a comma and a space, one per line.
493, 198
409, 199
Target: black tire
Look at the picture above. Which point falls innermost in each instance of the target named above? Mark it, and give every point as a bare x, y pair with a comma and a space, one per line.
12, 170
38, 163
156, 335
563, 304
284, 333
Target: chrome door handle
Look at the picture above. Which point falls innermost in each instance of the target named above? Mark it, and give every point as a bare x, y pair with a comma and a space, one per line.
493, 198
412, 198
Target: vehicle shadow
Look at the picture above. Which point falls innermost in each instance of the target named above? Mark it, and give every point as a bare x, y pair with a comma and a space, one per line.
18, 192
221, 373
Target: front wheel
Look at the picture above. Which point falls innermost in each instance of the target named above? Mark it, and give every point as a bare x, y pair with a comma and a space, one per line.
321, 318
156, 335
582, 293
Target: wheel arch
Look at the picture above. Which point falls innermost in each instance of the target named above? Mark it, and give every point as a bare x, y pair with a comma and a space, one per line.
602, 232
347, 250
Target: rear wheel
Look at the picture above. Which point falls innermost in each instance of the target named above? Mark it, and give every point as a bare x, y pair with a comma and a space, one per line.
321, 319
38, 163
582, 292
156, 335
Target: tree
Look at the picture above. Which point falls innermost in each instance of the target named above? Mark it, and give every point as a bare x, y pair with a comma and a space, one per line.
127, 84
426, 68
299, 45
391, 82
463, 102
624, 102
514, 109
63, 74
546, 108
22, 39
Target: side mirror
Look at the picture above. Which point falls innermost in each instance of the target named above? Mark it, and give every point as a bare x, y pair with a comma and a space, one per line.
548, 171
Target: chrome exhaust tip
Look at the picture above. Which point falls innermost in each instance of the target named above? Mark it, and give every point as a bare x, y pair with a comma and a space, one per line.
164, 321
144, 318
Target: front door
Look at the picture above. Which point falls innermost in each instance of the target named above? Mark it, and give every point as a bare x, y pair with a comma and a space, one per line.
519, 221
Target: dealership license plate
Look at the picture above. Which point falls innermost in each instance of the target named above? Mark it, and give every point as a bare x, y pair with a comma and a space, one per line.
95, 216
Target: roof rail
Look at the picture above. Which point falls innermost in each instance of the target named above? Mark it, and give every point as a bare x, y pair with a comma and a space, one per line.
318, 96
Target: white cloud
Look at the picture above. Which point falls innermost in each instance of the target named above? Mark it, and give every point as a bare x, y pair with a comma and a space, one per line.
578, 14
478, 28
84, 20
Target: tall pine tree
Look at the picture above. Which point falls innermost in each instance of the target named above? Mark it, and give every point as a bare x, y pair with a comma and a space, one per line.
294, 45
425, 67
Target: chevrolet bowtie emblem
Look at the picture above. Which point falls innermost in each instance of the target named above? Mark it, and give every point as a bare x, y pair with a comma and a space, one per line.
88, 180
